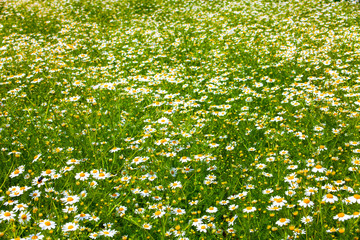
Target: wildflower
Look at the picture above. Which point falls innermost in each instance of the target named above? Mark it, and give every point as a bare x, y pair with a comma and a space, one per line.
70, 227
163, 120
282, 222
179, 211
278, 201
93, 235
146, 226
17, 171
306, 202
69, 200
69, 209
233, 207
82, 216
307, 219
107, 232
158, 214
7, 215
82, 176
329, 198
121, 209
267, 191
318, 168
224, 202
24, 217
212, 210
310, 191
202, 227
36, 236
342, 217
47, 224
355, 198
249, 209
176, 184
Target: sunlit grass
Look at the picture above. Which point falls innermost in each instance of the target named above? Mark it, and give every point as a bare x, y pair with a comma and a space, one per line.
182, 119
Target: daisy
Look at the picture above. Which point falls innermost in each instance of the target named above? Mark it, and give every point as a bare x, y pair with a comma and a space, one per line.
278, 201
202, 227
194, 202
20, 207
224, 202
356, 215
17, 171
69, 209
93, 235
307, 219
158, 214
342, 217
306, 202
176, 184
7, 215
232, 220
82, 216
163, 120
273, 208
47, 224
355, 198
267, 191
82, 176
249, 209
329, 198
93, 184
212, 210
332, 230
311, 191
107, 232
121, 209
179, 211
282, 222
102, 175
318, 168
146, 226
233, 207
70, 227
24, 217
35, 236
69, 200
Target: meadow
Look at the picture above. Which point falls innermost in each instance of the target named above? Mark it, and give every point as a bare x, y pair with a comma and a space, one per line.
179, 119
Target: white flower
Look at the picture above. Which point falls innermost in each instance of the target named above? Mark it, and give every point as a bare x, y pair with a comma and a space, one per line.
69, 200
282, 222
7, 215
47, 224
329, 198
306, 202
146, 226
211, 210
342, 217
82, 176
107, 232
307, 219
163, 120
70, 227
249, 209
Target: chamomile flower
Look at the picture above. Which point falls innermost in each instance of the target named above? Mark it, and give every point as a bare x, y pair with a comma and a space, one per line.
70, 227
46, 224
283, 222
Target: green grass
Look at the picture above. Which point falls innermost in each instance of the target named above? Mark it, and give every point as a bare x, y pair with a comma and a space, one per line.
176, 119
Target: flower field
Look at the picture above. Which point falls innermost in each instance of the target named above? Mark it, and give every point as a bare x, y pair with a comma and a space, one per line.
179, 119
